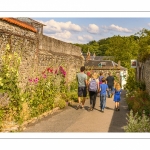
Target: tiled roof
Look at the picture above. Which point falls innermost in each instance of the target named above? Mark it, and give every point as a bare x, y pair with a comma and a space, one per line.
96, 62
105, 64
19, 23
29, 20
98, 57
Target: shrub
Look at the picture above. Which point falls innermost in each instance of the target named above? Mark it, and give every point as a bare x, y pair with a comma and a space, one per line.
61, 103
9, 84
136, 123
139, 101
72, 96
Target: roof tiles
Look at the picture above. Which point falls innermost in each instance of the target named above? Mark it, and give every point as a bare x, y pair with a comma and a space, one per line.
20, 23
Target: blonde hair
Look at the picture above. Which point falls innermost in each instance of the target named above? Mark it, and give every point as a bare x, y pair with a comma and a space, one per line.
94, 75
117, 86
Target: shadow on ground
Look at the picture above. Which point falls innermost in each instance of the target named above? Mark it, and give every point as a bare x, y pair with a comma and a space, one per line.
119, 117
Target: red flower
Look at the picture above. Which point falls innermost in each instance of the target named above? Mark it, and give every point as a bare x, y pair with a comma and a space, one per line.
50, 70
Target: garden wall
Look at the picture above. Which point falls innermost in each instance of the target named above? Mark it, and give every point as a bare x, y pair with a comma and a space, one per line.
143, 73
39, 51
55, 52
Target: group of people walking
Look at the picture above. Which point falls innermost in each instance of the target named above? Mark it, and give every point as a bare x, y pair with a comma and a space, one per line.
97, 84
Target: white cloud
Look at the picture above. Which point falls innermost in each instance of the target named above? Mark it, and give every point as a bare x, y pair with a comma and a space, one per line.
119, 29
53, 26
84, 39
63, 36
80, 38
92, 28
88, 37
70, 26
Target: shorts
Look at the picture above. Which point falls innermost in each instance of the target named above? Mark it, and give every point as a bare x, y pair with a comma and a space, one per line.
82, 92
111, 87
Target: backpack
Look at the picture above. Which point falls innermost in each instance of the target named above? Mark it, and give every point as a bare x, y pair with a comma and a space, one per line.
93, 85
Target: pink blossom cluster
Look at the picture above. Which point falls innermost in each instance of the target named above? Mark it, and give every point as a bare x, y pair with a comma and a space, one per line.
34, 80
62, 71
49, 70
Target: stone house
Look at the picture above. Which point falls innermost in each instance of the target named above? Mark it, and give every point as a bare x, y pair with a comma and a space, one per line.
105, 64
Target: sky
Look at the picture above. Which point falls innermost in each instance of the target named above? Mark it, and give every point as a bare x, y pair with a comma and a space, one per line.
83, 30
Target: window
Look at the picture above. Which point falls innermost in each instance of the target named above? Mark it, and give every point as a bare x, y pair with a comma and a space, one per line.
103, 63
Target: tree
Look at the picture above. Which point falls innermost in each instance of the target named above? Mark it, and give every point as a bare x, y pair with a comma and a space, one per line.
144, 44
123, 49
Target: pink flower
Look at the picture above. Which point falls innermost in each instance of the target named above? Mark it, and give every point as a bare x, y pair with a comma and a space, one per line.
62, 71
44, 76
56, 71
30, 80
36, 80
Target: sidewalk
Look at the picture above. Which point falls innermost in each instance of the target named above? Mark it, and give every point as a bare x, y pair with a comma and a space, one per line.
72, 120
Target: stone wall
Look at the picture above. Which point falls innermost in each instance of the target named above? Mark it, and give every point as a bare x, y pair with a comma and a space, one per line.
143, 73
57, 53
21, 41
39, 51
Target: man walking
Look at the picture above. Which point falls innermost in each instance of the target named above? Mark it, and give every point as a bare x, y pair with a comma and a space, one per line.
110, 83
82, 87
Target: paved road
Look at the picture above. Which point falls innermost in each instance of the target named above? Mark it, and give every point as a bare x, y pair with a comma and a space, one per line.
72, 120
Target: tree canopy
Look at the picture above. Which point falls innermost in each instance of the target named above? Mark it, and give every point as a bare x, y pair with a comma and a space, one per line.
122, 48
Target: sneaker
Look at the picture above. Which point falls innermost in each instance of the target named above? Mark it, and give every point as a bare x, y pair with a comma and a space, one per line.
83, 107
118, 109
102, 110
77, 107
